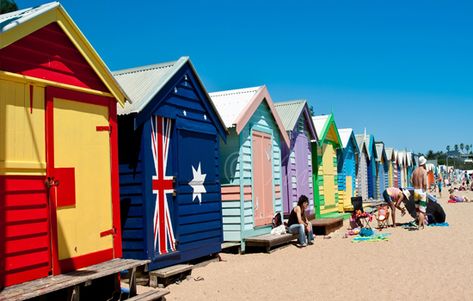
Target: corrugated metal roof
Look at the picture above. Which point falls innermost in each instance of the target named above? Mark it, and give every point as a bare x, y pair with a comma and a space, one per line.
401, 158
366, 141
230, 103
12, 19
142, 83
409, 158
345, 135
319, 123
389, 153
360, 139
379, 150
289, 112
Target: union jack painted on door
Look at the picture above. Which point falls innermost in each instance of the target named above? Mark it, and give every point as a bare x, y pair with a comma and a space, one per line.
163, 186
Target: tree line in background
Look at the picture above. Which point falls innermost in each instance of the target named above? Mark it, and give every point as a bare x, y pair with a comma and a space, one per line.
459, 155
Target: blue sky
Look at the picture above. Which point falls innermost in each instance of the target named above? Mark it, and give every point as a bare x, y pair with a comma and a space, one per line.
401, 69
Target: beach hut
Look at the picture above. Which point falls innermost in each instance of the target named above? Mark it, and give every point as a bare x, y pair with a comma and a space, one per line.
324, 160
362, 169
296, 157
250, 162
392, 168
347, 158
409, 167
381, 169
372, 165
169, 165
59, 202
403, 168
395, 169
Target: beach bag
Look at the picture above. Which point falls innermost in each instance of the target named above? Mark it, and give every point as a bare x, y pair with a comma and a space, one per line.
366, 232
281, 229
277, 220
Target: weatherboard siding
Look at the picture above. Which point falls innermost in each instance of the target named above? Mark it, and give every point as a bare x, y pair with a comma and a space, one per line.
197, 226
237, 165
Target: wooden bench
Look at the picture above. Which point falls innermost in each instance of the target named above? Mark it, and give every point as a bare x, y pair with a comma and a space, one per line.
150, 295
325, 226
166, 276
74, 281
269, 241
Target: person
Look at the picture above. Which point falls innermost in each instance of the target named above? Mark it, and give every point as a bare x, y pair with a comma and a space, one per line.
299, 224
394, 196
439, 183
419, 181
456, 198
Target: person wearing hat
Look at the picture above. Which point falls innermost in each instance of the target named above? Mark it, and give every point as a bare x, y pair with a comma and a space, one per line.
419, 181
394, 196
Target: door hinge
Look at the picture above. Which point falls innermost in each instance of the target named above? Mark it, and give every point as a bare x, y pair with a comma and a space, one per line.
104, 128
112, 232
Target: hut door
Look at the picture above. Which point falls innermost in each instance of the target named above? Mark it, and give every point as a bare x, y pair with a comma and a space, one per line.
329, 176
262, 178
79, 171
302, 166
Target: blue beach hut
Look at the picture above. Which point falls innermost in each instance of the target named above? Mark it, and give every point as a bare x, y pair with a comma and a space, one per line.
382, 168
372, 164
347, 160
169, 165
362, 168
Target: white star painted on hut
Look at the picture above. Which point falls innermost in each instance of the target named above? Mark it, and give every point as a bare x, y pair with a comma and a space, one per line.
197, 183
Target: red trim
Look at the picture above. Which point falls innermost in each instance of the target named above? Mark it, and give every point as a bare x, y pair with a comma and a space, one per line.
75, 263
117, 239
49, 127
66, 186
103, 128
81, 97
31, 99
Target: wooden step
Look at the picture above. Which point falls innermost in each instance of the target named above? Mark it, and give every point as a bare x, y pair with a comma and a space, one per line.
149, 295
166, 275
269, 241
325, 226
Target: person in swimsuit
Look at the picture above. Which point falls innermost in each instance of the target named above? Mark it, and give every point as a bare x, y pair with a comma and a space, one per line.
419, 181
394, 196
299, 224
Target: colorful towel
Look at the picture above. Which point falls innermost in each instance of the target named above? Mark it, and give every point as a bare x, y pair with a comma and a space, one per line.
373, 238
439, 225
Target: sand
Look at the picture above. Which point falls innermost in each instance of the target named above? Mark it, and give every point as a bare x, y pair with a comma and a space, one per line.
431, 264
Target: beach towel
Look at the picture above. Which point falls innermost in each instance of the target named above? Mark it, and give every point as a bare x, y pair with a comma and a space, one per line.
373, 238
445, 224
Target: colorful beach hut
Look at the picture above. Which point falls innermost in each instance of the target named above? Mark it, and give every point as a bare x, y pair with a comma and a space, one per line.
297, 157
59, 202
372, 165
392, 168
169, 165
347, 158
409, 167
402, 168
250, 162
324, 160
381, 169
362, 168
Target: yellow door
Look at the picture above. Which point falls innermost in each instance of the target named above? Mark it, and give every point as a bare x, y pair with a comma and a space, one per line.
329, 176
78, 145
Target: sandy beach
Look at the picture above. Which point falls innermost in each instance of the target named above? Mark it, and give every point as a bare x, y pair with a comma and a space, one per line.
431, 264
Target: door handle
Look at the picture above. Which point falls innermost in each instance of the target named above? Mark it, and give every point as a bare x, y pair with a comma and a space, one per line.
51, 182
